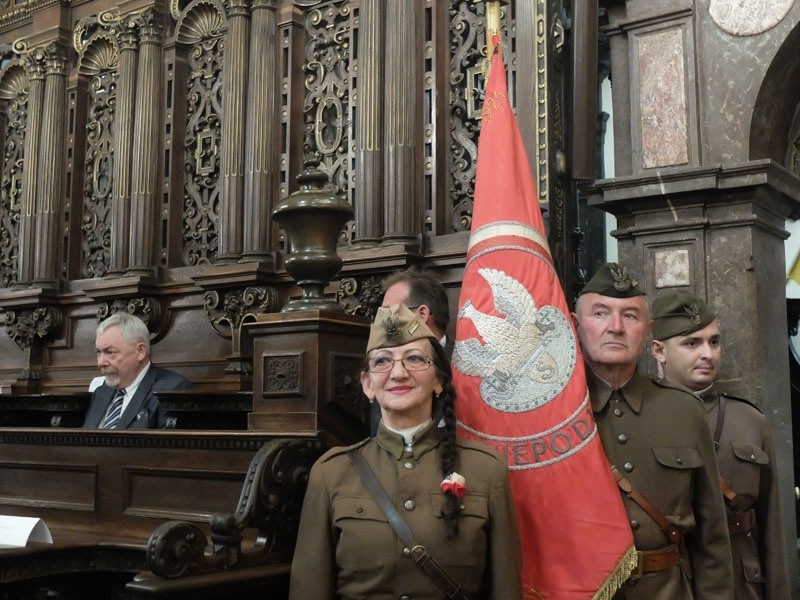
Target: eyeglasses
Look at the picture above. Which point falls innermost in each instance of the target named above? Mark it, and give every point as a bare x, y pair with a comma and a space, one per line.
413, 362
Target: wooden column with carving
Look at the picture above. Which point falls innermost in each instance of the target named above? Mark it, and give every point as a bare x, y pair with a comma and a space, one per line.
27, 223
121, 195
50, 171
261, 155
234, 80
369, 124
403, 118
146, 164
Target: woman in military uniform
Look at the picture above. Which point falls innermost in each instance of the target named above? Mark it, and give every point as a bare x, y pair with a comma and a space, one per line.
454, 495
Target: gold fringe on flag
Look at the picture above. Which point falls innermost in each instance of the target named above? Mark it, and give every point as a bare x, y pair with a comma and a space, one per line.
618, 576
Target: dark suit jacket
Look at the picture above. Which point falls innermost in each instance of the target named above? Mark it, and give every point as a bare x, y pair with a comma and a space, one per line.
143, 411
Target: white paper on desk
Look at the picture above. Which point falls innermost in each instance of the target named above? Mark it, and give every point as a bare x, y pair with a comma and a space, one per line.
16, 532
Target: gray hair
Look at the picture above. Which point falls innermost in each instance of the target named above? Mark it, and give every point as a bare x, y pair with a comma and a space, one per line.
132, 328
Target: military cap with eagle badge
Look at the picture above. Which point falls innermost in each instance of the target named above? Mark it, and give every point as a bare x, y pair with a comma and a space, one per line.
679, 312
614, 281
396, 325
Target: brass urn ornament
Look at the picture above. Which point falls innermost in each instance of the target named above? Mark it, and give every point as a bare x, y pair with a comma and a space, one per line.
312, 218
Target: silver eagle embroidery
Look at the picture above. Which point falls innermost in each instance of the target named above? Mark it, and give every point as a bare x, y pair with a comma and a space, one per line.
527, 355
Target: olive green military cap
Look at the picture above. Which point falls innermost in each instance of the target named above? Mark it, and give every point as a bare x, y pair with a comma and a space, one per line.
396, 325
679, 313
614, 281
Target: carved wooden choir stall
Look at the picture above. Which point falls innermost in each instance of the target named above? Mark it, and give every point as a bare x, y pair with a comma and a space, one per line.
241, 175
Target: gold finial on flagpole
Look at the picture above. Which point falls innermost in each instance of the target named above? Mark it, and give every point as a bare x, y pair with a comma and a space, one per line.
492, 24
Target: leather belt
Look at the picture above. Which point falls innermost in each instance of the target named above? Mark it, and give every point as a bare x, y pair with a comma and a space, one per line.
742, 521
651, 561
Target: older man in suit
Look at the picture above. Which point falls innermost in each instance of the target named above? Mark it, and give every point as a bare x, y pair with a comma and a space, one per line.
126, 399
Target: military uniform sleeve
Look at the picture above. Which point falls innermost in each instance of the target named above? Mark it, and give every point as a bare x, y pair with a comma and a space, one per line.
504, 572
313, 566
768, 515
708, 544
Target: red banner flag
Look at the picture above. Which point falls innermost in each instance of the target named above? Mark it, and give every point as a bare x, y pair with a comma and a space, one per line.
520, 379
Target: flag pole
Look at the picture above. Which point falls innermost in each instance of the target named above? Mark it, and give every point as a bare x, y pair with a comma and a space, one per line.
493, 24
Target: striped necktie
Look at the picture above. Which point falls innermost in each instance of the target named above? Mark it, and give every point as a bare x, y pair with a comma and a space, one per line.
114, 411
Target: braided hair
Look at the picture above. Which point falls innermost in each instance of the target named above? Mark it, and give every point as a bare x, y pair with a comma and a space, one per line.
449, 451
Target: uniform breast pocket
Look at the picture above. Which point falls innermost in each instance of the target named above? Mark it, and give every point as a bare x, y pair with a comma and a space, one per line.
750, 453
473, 524
675, 475
745, 476
366, 541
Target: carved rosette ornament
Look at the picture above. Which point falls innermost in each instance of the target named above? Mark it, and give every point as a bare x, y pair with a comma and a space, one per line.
24, 327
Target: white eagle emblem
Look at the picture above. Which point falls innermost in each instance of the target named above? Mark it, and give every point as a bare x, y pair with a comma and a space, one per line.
527, 356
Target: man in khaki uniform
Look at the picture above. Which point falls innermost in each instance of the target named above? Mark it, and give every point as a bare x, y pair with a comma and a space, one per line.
655, 436
686, 344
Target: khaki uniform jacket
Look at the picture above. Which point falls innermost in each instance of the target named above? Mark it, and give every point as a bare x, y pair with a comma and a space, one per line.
346, 548
747, 462
657, 436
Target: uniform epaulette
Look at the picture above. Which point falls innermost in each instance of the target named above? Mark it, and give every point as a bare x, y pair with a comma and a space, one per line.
745, 400
339, 450
676, 386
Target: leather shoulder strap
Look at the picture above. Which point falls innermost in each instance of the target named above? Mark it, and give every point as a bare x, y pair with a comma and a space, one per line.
727, 490
382, 498
419, 553
720, 421
664, 524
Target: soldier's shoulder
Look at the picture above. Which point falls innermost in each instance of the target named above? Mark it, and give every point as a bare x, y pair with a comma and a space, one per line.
746, 401
341, 451
674, 389
480, 448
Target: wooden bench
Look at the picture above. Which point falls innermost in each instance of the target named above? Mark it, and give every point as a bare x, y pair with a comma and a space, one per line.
103, 494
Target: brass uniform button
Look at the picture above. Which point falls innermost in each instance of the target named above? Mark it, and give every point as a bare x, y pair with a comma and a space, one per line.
409, 505
622, 438
628, 467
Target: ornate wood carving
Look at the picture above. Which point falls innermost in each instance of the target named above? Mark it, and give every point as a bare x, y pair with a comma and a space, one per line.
147, 309
14, 94
327, 105
238, 306
270, 502
202, 29
99, 61
360, 297
347, 392
26, 326
283, 374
